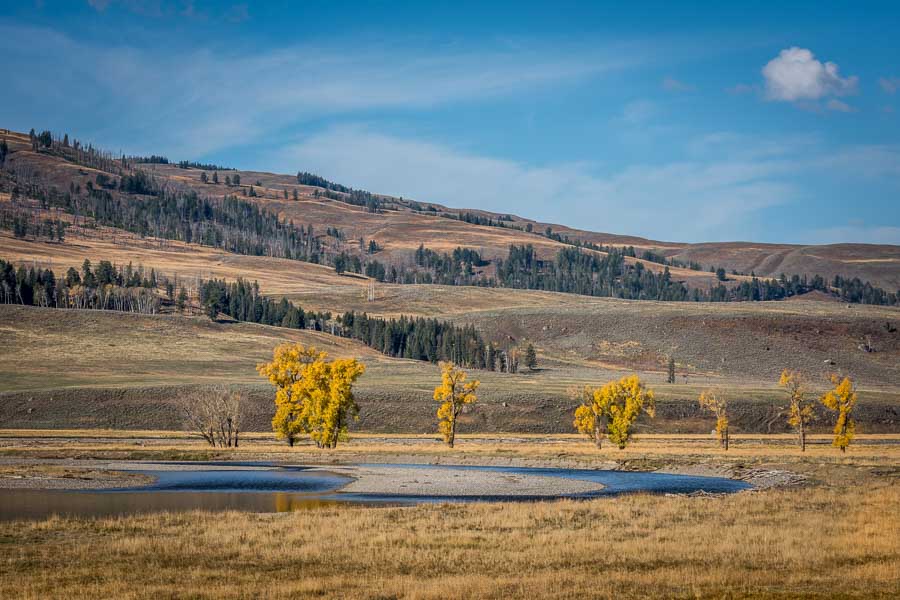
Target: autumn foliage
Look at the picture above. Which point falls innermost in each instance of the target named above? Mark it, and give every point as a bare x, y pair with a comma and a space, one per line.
614, 407
800, 408
453, 393
717, 403
313, 395
841, 399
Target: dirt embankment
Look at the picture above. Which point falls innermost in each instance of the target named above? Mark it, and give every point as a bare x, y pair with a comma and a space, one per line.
386, 411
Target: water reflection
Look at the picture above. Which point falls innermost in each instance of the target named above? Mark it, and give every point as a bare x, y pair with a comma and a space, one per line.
32, 504
272, 488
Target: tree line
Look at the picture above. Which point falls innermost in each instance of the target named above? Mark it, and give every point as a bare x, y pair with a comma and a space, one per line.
576, 271
229, 223
126, 288
243, 227
104, 287
336, 191
406, 337
25, 224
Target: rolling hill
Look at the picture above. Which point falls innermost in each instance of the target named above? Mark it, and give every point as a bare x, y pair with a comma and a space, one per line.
122, 370
401, 225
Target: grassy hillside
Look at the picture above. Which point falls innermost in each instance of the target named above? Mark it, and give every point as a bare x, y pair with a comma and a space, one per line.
122, 370
752, 341
399, 229
69, 368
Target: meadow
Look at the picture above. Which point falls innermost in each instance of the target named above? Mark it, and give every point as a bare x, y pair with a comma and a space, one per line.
837, 534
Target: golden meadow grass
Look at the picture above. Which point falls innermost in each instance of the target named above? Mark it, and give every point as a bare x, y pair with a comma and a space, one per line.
823, 541
837, 536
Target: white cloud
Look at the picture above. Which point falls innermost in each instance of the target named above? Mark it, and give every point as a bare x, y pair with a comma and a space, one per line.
890, 84
795, 74
670, 84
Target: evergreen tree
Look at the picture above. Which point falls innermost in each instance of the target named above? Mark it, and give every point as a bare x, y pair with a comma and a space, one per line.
530, 357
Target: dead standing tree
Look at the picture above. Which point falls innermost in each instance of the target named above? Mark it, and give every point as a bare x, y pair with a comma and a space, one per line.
215, 414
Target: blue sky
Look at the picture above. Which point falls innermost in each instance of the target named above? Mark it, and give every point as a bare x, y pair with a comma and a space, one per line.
674, 121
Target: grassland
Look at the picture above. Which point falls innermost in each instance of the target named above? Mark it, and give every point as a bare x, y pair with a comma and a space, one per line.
67, 368
749, 341
838, 535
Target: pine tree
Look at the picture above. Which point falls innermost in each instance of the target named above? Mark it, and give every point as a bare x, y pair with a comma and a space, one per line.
530, 357
671, 375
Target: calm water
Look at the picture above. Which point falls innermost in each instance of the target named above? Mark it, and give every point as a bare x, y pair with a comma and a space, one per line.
283, 489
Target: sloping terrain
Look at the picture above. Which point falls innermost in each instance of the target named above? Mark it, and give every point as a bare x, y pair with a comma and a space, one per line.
403, 225
69, 368
90, 368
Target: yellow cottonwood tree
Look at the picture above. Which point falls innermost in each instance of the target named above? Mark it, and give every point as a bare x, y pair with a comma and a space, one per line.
631, 399
801, 409
842, 399
592, 414
312, 395
716, 402
328, 403
617, 404
286, 369
453, 393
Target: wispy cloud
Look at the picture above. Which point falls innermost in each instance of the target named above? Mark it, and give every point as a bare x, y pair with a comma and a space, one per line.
638, 112
197, 101
839, 106
729, 181
859, 234
889, 84
670, 84
686, 200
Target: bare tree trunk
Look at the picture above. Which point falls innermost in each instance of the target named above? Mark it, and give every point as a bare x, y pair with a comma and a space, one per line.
452, 436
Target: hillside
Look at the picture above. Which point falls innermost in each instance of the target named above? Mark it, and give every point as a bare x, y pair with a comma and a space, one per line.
401, 225
753, 340
74, 368
97, 368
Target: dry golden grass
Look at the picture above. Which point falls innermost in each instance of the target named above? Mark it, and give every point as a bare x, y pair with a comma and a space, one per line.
646, 450
276, 276
839, 537
53, 348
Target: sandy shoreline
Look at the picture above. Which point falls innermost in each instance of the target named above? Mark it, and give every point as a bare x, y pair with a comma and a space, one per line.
405, 480
66, 477
397, 478
447, 481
